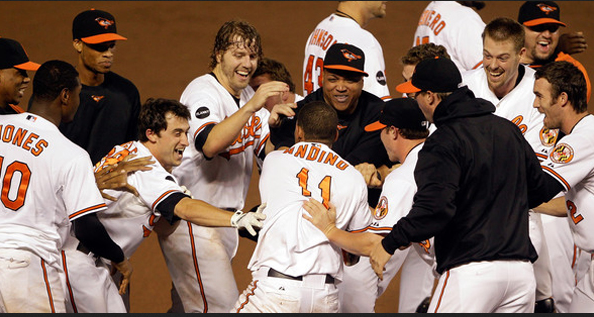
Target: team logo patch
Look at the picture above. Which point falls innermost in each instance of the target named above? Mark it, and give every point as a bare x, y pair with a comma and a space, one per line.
546, 8
105, 23
381, 78
381, 210
563, 153
202, 113
340, 127
97, 98
350, 56
548, 137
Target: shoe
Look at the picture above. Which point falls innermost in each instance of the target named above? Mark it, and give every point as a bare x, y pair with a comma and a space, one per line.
546, 305
424, 305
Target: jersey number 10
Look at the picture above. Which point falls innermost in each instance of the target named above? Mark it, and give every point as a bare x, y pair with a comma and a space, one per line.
23, 184
324, 186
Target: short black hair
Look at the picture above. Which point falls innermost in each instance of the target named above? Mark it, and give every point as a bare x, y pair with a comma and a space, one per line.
319, 122
51, 78
566, 77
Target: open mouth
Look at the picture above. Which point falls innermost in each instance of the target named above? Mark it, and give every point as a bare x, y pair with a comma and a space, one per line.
179, 151
243, 74
341, 98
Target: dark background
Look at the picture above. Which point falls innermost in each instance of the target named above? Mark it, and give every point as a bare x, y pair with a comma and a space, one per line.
169, 44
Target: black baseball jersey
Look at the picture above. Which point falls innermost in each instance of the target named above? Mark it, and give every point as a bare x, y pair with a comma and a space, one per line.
107, 116
354, 144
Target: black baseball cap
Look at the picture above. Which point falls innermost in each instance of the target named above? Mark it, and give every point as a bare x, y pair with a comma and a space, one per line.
402, 113
435, 74
94, 27
13, 55
345, 57
533, 13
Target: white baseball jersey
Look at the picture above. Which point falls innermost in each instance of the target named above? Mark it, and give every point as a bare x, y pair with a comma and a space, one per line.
361, 287
287, 242
128, 221
43, 175
516, 106
205, 253
572, 164
47, 182
337, 29
292, 245
458, 28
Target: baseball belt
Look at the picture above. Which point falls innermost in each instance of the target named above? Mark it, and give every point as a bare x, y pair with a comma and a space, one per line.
274, 273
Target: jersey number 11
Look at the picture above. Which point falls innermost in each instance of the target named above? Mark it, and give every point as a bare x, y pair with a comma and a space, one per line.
324, 186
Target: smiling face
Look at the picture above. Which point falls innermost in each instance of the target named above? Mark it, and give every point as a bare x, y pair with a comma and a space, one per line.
169, 144
342, 90
13, 83
501, 62
236, 65
547, 104
541, 42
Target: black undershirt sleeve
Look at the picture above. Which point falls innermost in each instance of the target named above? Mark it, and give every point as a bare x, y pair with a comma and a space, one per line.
201, 139
550, 188
167, 207
92, 234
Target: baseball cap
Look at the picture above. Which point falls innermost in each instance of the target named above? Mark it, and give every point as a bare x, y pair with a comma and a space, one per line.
12, 54
345, 57
435, 74
534, 13
95, 26
402, 113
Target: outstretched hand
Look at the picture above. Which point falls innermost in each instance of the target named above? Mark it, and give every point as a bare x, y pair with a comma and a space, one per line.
116, 176
249, 220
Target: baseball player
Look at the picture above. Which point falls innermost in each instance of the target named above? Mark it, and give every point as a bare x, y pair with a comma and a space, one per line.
468, 199
455, 25
109, 103
507, 83
347, 25
294, 267
560, 90
541, 22
14, 80
403, 131
226, 131
131, 218
43, 175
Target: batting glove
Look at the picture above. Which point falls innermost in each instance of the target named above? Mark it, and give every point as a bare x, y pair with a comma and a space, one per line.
248, 220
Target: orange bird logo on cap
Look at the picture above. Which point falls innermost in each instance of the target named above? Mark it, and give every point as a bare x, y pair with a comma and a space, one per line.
546, 8
350, 56
104, 22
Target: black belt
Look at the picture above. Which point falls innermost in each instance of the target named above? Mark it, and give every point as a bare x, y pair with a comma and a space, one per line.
274, 273
83, 249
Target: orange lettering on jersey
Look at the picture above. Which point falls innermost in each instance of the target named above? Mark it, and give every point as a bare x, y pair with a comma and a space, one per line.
113, 158
330, 159
301, 151
321, 157
435, 20
572, 208
152, 220
313, 153
22, 138
342, 165
518, 122
439, 27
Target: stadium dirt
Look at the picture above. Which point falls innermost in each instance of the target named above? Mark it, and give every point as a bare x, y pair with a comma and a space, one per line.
169, 44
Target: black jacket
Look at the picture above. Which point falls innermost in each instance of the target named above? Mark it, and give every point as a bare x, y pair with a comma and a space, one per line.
475, 175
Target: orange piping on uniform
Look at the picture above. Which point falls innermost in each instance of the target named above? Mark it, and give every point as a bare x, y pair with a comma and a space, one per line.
202, 127
445, 283
197, 268
247, 297
48, 287
386, 97
70, 294
478, 65
161, 197
100, 206
555, 174
262, 143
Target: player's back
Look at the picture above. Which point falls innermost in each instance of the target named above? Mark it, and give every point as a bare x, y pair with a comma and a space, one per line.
458, 28
290, 244
38, 164
337, 29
